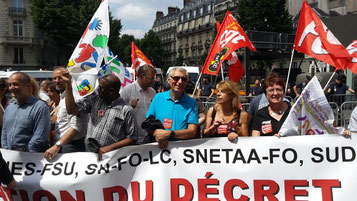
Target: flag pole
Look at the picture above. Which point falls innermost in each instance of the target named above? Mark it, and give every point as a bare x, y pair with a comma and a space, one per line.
110, 61
198, 81
329, 80
291, 62
222, 72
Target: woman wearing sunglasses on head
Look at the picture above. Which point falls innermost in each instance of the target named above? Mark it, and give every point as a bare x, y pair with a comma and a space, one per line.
268, 120
226, 118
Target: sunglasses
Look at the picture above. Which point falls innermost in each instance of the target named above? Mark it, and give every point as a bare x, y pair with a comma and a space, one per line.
177, 78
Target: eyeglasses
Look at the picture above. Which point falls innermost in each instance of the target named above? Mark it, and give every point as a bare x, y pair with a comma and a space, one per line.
177, 78
278, 90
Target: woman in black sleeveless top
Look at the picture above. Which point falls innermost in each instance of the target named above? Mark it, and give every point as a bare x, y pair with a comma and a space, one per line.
226, 118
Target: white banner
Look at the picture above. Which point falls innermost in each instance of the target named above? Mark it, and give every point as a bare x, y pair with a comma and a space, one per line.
311, 114
312, 168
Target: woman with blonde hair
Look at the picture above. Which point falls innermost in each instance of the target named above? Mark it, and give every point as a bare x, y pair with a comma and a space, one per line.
226, 118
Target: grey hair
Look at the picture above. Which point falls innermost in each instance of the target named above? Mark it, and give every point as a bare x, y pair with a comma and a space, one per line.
178, 69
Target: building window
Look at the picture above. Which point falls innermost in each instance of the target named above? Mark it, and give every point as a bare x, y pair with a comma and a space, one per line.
209, 7
18, 28
194, 14
18, 55
188, 15
17, 3
201, 10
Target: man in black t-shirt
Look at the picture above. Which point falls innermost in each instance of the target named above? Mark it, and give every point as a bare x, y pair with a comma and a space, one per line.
206, 89
336, 88
300, 87
255, 91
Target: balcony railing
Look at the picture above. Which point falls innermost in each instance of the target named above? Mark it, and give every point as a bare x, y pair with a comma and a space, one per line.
18, 40
271, 40
14, 11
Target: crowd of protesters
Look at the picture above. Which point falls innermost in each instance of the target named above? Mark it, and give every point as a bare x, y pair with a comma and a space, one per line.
48, 119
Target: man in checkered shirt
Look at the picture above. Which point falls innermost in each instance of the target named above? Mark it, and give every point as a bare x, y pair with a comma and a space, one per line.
112, 122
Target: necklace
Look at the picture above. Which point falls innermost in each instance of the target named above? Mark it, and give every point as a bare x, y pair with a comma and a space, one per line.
272, 113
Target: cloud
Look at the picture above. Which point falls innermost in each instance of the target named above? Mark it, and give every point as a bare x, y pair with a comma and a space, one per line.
134, 12
137, 33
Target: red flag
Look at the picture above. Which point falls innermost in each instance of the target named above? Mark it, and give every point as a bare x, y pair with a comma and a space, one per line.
230, 37
137, 57
352, 49
235, 68
316, 40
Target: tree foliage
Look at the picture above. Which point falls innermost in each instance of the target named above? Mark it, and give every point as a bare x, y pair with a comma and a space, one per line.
123, 48
64, 21
264, 15
151, 46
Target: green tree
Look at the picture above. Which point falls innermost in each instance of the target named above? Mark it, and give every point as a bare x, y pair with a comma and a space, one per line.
64, 21
151, 46
124, 50
179, 60
264, 15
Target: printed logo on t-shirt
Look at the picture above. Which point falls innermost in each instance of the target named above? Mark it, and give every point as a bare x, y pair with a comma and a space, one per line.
222, 129
168, 123
267, 127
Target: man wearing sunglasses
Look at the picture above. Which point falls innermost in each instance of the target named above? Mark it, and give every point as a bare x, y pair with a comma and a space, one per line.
177, 112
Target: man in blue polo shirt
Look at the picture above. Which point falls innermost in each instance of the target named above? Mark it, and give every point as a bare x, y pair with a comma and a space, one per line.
177, 112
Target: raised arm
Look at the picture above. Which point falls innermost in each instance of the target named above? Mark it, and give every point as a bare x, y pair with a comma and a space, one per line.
71, 105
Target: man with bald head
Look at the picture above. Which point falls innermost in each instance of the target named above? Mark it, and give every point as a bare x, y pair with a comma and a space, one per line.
26, 123
112, 122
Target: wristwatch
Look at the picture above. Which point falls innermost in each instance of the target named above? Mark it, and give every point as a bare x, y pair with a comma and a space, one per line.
172, 134
59, 144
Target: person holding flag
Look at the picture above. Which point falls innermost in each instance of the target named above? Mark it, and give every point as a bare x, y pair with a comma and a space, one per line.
112, 123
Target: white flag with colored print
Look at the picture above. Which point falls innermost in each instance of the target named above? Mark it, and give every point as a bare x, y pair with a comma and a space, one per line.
311, 114
114, 66
88, 55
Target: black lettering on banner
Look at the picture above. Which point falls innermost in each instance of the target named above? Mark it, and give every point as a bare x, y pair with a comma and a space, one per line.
285, 159
352, 155
239, 156
66, 172
213, 156
203, 156
151, 159
162, 159
317, 152
91, 169
103, 168
47, 167
16, 168
30, 168
133, 162
188, 153
272, 155
227, 154
254, 156
120, 162
58, 167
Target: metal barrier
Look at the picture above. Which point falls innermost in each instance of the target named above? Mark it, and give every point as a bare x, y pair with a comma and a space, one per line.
341, 98
346, 110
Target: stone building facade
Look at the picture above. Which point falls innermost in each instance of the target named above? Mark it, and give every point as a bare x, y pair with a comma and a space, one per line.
22, 46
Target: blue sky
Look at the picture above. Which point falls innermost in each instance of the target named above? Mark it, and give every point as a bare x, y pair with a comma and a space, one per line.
137, 16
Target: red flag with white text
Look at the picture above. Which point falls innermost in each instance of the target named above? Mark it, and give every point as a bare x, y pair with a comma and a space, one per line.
137, 57
352, 49
316, 40
230, 37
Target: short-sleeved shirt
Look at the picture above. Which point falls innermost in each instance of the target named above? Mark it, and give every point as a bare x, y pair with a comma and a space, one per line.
27, 124
108, 123
66, 121
134, 91
255, 91
174, 115
338, 88
266, 124
206, 89
301, 86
